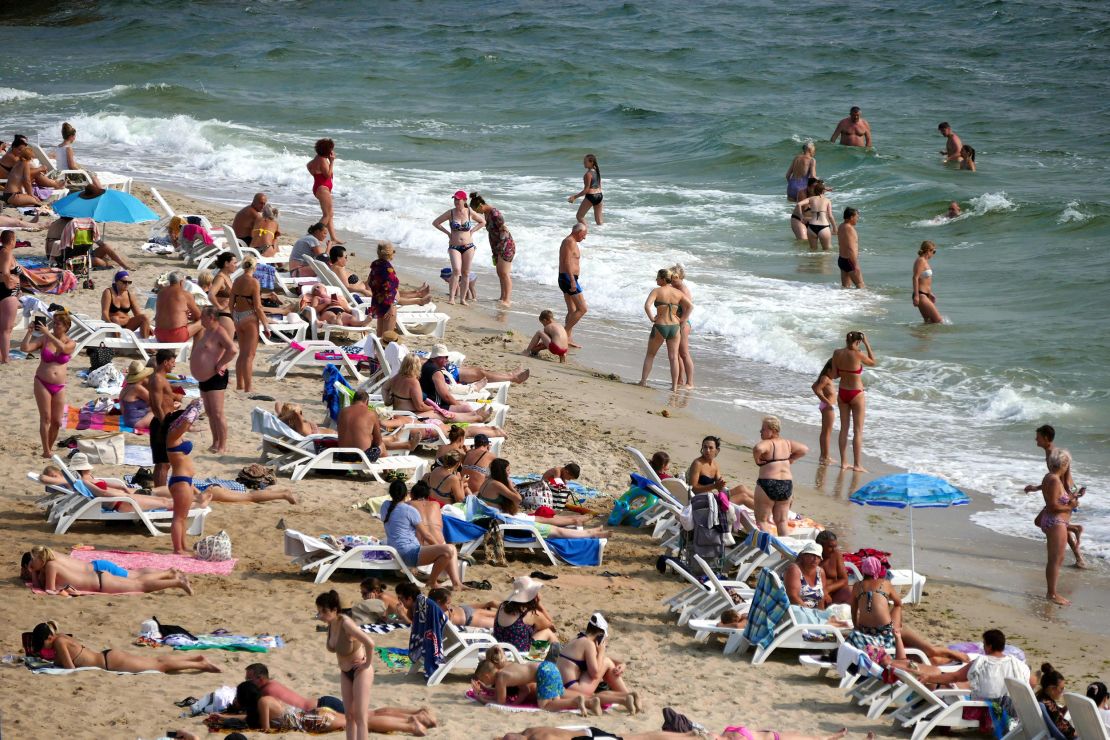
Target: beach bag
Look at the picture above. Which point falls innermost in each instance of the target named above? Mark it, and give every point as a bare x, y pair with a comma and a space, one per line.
100, 356
495, 545
106, 379
107, 450
256, 476
535, 494
143, 478
214, 548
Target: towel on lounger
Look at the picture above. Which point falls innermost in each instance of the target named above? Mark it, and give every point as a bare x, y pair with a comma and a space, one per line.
769, 605
426, 638
456, 530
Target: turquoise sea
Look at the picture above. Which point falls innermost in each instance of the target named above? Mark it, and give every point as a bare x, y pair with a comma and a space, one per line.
694, 111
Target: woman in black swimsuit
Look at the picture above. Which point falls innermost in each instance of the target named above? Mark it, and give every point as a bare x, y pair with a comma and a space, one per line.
775, 487
9, 293
246, 311
118, 300
446, 484
66, 652
820, 224
590, 193
354, 649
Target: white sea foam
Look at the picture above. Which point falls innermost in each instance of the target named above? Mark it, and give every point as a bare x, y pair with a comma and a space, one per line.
11, 93
978, 206
1072, 214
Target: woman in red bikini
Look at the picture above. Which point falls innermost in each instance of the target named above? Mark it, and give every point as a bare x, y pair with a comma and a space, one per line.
55, 348
847, 365
321, 168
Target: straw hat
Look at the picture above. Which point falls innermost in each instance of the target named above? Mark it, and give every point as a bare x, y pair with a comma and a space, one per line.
524, 590
79, 461
811, 548
137, 371
440, 350
390, 336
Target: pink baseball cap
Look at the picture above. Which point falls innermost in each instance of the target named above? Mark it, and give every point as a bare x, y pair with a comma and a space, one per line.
459, 195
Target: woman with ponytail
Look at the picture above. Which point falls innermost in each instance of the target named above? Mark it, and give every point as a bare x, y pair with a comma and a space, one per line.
591, 191
1051, 694
405, 530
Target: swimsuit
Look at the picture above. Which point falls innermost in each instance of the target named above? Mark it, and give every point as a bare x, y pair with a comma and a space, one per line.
107, 566
847, 394
559, 351
460, 227
176, 335
812, 596
795, 185
50, 358
113, 308
134, 411
744, 732
565, 282
217, 382
595, 183
576, 661
667, 331
185, 448
319, 181
480, 469
519, 635
462, 248
549, 682
776, 489
817, 228
845, 264
881, 637
158, 428
594, 733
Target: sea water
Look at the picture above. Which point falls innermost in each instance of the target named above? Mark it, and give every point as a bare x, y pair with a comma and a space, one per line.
694, 111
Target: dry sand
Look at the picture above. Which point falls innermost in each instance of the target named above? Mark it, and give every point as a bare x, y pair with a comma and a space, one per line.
562, 413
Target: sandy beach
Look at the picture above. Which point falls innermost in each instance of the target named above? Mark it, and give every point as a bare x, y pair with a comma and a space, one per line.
579, 412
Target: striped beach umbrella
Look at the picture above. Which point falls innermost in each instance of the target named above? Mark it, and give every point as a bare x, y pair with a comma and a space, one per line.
912, 491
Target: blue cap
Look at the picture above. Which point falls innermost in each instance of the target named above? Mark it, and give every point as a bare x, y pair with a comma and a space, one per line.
121, 275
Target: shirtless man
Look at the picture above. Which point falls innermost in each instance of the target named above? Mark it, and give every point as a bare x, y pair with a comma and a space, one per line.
248, 218
953, 210
213, 351
951, 150
569, 256
162, 403
176, 315
551, 337
853, 130
56, 573
848, 241
359, 427
1046, 440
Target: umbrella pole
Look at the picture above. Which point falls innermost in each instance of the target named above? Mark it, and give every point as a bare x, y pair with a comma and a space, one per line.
913, 560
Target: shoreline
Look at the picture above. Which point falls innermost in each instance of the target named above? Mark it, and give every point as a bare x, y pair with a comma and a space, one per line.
563, 412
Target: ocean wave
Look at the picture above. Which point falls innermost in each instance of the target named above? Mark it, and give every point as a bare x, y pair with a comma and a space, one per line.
1009, 405
11, 93
978, 206
1072, 214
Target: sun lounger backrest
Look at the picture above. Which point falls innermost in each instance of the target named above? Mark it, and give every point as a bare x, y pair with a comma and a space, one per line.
1028, 709
1086, 718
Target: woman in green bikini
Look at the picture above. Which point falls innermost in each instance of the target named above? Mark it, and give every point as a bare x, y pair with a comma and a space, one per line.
664, 307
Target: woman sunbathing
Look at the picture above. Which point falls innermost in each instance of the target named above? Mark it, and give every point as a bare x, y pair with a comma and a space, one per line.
56, 573
404, 393
540, 681
66, 652
331, 309
499, 492
479, 615
292, 416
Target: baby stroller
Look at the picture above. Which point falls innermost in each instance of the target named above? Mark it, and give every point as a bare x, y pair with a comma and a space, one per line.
704, 531
74, 250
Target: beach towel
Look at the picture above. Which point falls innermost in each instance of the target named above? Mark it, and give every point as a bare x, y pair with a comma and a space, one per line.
457, 530
769, 605
580, 491
134, 560
138, 455
395, 657
382, 629
331, 395
523, 706
73, 592
580, 552
87, 417
53, 670
426, 638
235, 643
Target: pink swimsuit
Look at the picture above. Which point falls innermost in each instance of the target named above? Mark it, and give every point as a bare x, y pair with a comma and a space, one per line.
49, 357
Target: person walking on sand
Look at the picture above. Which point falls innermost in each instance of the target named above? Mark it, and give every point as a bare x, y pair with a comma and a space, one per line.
952, 146
501, 244
552, 337
820, 223
322, 167
664, 307
847, 240
248, 218
923, 296
686, 373
55, 348
847, 365
464, 221
570, 255
213, 351
801, 169
9, 293
1045, 439
590, 193
853, 130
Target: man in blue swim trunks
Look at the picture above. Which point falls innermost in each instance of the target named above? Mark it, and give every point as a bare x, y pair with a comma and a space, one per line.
569, 257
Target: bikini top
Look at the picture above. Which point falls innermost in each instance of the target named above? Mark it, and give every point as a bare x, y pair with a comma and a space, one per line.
855, 372
484, 470
185, 448
927, 273
113, 307
773, 458
676, 308
705, 480
464, 226
50, 357
443, 480
871, 596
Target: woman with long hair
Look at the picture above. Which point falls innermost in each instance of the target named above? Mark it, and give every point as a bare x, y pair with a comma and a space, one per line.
967, 158
247, 313
923, 296
463, 222
55, 349
686, 372
501, 244
219, 290
63, 154
821, 224
354, 651
1051, 696
322, 168
665, 305
9, 293
406, 532
591, 191
801, 169
501, 493
847, 365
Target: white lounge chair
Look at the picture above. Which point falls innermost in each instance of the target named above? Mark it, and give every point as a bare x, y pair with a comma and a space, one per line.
80, 178
411, 320
464, 649
927, 710
1029, 714
242, 251
1085, 717
91, 332
313, 354
312, 553
283, 447
83, 506
414, 466
788, 632
898, 578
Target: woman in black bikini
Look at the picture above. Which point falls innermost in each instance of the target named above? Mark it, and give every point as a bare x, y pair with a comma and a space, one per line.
476, 462
9, 293
354, 650
446, 484
775, 487
118, 301
583, 664
590, 193
460, 241
66, 652
820, 224
247, 313
219, 292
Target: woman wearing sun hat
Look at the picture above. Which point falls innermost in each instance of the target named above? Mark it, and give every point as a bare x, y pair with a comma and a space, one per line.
134, 399
521, 619
462, 222
805, 584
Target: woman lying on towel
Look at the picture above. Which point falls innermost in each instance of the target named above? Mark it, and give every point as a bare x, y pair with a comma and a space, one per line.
498, 492
66, 652
159, 497
60, 574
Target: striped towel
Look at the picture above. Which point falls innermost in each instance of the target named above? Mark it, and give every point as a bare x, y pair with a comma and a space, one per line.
84, 417
769, 605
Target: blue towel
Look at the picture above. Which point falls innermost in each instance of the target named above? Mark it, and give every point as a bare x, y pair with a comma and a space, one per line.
579, 551
426, 638
456, 530
769, 606
642, 482
331, 396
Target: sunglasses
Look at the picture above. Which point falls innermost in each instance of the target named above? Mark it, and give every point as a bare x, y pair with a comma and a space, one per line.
127, 282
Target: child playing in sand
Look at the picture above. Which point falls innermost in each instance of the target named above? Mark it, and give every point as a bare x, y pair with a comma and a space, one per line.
541, 680
552, 337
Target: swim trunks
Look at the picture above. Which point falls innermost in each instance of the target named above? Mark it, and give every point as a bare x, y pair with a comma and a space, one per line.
845, 264
107, 566
549, 682
176, 335
158, 452
565, 284
217, 382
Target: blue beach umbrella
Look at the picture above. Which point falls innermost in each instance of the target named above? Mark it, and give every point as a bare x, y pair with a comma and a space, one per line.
113, 206
912, 490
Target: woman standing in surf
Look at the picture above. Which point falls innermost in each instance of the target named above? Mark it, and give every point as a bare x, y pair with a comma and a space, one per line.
686, 373
923, 296
847, 365
590, 192
322, 167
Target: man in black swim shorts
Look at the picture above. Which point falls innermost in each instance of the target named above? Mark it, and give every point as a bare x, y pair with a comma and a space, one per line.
213, 351
569, 260
847, 240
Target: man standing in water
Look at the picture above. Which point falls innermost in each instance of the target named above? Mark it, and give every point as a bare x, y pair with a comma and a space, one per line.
1046, 438
951, 150
569, 256
853, 130
213, 351
848, 241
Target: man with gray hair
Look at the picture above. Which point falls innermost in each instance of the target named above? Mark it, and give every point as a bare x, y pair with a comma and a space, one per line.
569, 256
213, 352
248, 218
176, 315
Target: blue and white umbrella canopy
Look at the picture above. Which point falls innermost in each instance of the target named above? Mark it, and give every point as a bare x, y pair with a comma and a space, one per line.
913, 491
114, 206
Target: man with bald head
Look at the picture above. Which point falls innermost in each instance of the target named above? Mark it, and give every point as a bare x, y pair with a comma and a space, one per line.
248, 218
569, 257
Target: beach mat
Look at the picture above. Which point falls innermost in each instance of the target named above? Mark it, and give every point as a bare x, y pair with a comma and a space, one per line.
234, 643
134, 560
397, 658
529, 707
82, 418
40, 592
382, 629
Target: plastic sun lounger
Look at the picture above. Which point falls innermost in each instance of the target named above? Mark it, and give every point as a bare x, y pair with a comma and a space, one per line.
415, 466
84, 506
311, 553
1085, 717
790, 633
905, 577
464, 649
92, 332
411, 320
314, 354
929, 710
